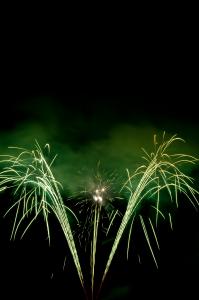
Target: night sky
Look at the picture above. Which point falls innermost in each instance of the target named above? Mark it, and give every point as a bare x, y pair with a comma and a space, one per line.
91, 111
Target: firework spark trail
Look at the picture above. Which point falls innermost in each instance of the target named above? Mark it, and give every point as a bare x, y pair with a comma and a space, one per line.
34, 184
94, 245
97, 204
98, 198
98, 190
40, 193
159, 168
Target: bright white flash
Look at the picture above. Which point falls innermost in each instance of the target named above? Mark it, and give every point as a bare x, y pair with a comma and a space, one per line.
100, 199
98, 195
95, 198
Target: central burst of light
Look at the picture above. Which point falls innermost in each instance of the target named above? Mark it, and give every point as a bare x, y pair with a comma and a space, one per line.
98, 195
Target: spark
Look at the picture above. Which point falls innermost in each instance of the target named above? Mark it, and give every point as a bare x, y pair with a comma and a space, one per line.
98, 195
95, 198
162, 171
38, 192
96, 204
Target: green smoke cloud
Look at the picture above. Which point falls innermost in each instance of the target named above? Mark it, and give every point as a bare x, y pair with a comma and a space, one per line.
82, 140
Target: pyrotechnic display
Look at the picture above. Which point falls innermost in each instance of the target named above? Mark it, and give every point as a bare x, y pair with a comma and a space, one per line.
99, 155
101, 212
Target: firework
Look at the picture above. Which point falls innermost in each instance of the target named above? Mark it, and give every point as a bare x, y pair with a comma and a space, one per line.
162, 172
96, 211
37, 191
